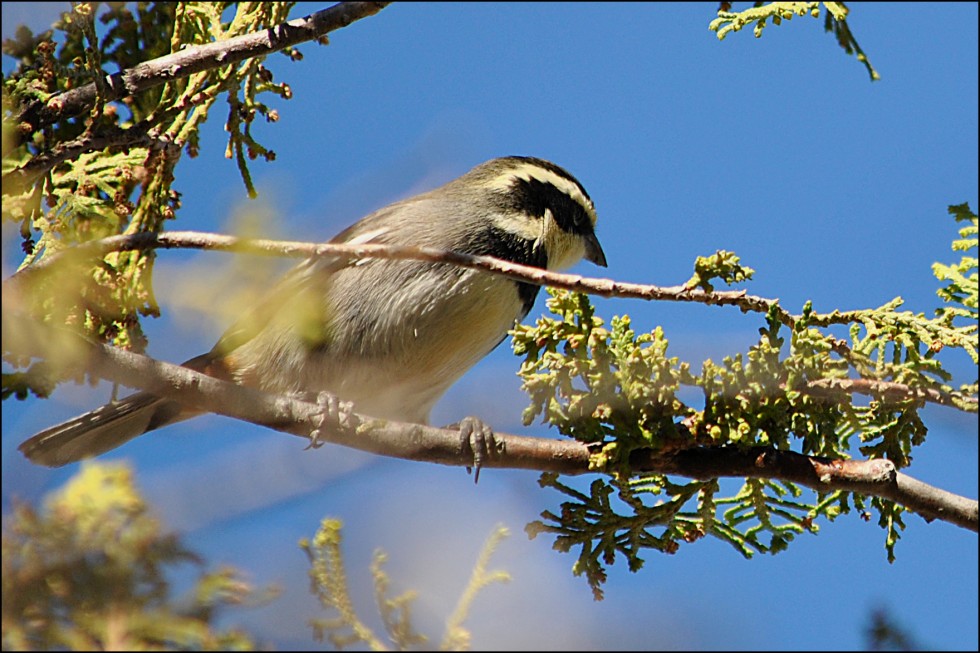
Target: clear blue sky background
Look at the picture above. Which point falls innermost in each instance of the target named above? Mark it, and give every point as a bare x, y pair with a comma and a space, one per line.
833, 188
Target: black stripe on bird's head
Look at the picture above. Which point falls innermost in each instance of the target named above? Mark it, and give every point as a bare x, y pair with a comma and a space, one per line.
544, 202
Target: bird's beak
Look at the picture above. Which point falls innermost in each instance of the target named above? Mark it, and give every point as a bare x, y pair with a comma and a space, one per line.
593, 251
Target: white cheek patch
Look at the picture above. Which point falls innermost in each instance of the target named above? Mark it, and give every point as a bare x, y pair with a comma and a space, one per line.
520, 225
546, 234
570, 252
564, 249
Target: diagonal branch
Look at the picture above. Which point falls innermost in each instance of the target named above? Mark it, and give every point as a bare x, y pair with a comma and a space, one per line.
604, 287
427, 444
890, 390
19, 179
188, 61
147, 133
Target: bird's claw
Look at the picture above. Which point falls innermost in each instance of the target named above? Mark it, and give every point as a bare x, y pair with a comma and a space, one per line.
477, 436
333, 412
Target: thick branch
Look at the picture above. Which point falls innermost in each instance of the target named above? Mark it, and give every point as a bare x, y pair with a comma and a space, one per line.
876, 477
427, 444
603, 287
188, 61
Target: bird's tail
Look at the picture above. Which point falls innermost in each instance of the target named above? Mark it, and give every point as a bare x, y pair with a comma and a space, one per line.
102, 429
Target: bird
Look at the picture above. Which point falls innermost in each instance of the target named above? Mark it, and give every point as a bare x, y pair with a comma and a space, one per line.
386, 336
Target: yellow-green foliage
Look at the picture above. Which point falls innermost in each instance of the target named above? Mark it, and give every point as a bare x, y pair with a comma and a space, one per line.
835, 21
126, 186
618, 391
89, 572
597, 384
960, 291
722, 265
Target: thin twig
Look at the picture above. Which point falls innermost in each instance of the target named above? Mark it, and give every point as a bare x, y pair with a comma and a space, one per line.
891, 390
298, 249
17, 180
603, 287
146, 133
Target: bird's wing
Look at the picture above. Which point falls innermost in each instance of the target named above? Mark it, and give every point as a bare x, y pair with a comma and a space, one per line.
307, 277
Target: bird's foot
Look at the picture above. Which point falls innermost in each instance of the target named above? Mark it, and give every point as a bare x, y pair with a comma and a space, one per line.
333, 413
477, 436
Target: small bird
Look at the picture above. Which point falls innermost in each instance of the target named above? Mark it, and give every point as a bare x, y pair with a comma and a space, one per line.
390, 336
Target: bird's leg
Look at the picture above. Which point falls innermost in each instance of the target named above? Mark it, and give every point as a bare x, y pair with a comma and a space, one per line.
333, 413
477, 436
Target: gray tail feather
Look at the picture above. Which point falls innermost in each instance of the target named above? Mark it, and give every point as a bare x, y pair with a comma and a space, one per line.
101, 430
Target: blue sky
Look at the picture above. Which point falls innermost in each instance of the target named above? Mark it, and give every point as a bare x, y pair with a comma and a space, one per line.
833, 188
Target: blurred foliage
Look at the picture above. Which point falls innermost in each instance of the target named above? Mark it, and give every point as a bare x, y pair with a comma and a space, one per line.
884, 634
89, 572
835, 22
619, 391
328, 582
128, 186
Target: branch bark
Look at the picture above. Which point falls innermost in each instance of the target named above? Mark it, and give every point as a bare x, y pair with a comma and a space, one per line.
603, 287
188, 61
147, 133
876, 477
18, 180
889, 389
427, 444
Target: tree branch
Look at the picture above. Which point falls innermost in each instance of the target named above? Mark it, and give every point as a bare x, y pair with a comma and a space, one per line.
444, 446
876, 477
146, 133
296, 249
17, 180
188, 61
595, 286
890, 390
